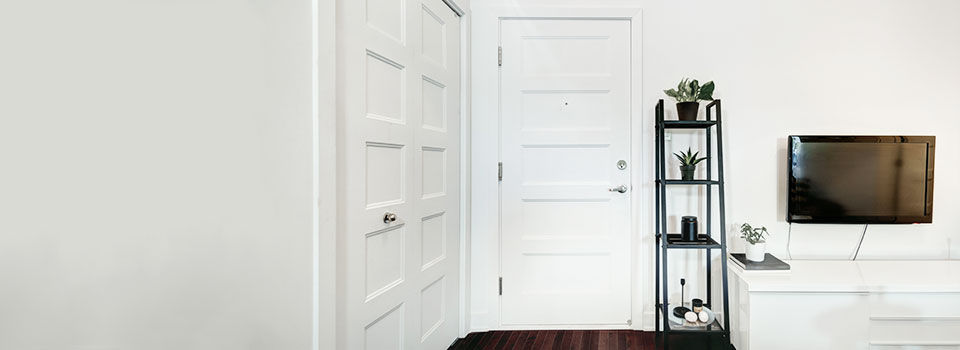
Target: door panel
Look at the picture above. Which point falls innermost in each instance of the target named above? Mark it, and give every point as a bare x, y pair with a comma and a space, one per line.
565, 120
400, 114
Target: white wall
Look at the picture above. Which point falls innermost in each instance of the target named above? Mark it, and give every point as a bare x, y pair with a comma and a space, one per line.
156, 187
819, 68
795, 67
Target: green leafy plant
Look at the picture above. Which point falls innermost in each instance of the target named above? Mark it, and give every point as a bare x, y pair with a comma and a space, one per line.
753, 235
689, 158
691, 91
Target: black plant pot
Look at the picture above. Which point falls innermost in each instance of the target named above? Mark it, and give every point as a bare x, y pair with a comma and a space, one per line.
687, 110
686, 172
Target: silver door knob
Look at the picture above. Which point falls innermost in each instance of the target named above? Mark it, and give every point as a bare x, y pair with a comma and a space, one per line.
389, 217
621, 189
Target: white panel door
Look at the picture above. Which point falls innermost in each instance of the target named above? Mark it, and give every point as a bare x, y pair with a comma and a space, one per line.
565, 92
400, 114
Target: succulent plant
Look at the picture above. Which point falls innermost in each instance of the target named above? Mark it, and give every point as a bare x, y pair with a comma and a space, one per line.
689, 158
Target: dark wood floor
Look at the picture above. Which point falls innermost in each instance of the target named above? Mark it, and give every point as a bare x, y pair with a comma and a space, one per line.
561, 340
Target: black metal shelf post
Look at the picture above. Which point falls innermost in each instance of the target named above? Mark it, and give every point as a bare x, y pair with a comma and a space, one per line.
668, 241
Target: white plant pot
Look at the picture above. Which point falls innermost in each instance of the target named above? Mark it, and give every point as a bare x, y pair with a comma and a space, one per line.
756, 252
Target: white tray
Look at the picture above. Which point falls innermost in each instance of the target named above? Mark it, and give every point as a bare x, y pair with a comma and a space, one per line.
676, 321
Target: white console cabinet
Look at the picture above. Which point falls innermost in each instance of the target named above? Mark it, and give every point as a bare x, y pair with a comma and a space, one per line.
847, 305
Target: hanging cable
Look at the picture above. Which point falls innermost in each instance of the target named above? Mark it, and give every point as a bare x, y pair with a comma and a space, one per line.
862, 235
789, 233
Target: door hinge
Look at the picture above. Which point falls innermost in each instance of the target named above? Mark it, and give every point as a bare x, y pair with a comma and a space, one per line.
500, 287
500, 171
499, 56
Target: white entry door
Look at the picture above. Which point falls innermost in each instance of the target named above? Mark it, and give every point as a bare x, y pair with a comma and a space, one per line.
565, 94
399, 84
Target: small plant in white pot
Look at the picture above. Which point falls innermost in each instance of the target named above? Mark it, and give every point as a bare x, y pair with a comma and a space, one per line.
756, 241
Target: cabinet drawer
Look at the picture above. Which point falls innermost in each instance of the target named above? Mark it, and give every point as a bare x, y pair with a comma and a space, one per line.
915, 330
914, 305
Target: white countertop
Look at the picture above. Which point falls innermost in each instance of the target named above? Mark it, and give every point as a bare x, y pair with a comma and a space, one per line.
842, 276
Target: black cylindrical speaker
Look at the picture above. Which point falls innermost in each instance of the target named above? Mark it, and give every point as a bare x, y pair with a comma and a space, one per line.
688, 228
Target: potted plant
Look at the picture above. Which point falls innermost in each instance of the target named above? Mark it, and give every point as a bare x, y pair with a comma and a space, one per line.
756, 241
688, 94
688, 164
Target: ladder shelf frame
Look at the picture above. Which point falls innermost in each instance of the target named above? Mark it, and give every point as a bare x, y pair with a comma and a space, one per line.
662, 237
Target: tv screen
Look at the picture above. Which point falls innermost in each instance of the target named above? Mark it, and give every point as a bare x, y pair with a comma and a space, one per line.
861, 179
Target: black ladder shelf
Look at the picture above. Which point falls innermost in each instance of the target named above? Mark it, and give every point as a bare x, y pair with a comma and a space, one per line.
667, 242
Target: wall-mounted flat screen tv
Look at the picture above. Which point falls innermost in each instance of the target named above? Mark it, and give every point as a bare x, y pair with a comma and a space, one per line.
860, 179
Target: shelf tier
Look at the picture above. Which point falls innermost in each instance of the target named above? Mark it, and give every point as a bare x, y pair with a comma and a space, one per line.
688, 124
703, 242
690, 182
713, 327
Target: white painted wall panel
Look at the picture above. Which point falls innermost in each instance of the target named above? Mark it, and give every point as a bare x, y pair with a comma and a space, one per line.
156, 175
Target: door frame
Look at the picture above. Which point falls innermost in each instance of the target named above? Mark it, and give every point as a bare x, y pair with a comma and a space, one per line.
485, 144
